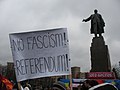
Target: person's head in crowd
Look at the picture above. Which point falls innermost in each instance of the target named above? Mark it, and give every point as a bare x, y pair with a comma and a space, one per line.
88, 84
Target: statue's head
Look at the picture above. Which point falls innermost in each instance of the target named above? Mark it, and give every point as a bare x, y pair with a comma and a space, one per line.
95, 11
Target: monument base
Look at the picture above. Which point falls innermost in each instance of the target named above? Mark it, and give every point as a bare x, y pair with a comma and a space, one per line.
100, 59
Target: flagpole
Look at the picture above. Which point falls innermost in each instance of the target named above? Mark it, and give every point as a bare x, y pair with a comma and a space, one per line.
19, 86
71, 82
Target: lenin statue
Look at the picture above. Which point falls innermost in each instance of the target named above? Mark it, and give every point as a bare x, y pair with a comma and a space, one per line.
97, 23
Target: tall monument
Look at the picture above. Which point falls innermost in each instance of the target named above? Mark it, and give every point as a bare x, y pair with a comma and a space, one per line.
100, 59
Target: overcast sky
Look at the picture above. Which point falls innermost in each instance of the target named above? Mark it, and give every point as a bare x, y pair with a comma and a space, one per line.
30, 15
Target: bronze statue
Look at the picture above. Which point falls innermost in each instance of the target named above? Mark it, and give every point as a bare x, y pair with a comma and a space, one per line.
97, 23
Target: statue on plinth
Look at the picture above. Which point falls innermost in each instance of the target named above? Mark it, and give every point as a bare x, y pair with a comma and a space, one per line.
97, 23
100, 59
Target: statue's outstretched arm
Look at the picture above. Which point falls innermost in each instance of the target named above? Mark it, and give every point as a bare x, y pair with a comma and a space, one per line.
88, 19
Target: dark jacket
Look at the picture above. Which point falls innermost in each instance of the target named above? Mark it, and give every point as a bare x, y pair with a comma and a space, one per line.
97, 23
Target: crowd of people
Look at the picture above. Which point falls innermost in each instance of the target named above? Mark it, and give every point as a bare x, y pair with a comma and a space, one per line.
87, 85
60, 84
22, 86
25, 85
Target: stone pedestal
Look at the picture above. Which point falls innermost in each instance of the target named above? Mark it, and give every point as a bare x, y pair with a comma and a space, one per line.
100, 59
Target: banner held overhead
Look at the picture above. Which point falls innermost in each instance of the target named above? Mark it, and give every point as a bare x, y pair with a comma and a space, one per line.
40, 53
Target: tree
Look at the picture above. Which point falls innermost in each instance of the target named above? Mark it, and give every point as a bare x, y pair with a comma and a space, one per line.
116, 70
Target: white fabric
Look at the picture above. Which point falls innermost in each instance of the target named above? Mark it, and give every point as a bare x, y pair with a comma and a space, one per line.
26, 88
22, 88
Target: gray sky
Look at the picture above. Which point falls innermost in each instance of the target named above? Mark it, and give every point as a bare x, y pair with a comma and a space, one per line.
27, 15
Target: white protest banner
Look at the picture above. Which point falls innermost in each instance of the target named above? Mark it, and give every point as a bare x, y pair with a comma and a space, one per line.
40, 53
